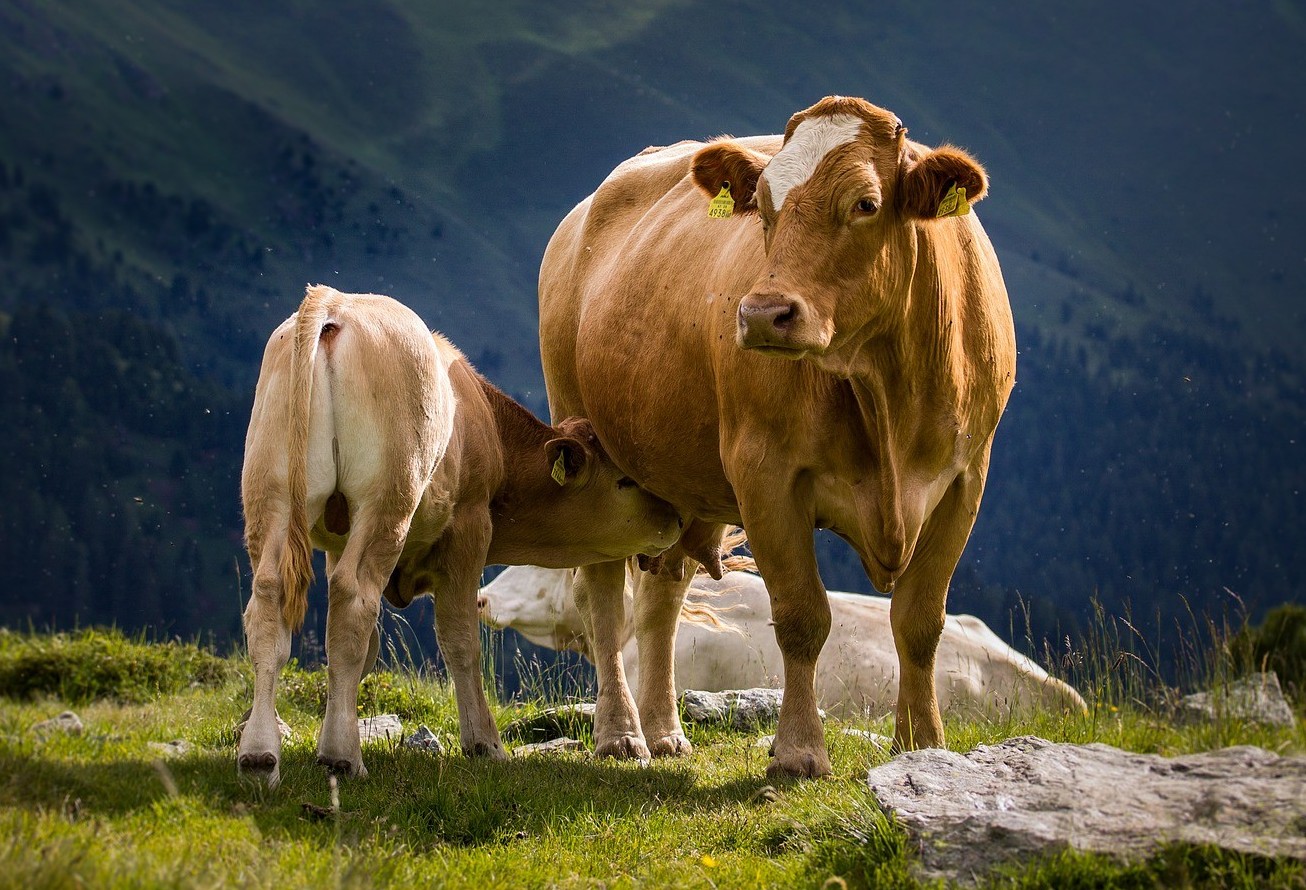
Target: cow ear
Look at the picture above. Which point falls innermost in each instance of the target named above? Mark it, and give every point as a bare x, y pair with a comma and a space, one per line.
728, 162
930, 177
567, 459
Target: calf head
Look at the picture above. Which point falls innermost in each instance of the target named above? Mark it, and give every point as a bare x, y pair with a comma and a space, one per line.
580, 508
839, 205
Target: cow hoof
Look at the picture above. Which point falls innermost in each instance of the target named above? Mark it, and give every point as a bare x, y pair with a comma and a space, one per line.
799, 765
675, 745
626, 747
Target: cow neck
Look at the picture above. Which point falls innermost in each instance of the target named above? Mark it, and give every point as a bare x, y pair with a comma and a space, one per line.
907, 386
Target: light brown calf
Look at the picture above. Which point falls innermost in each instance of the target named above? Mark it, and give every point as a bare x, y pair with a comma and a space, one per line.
833, 352
376, 441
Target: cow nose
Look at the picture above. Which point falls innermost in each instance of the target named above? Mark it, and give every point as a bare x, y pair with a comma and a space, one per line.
766, 317
482, 604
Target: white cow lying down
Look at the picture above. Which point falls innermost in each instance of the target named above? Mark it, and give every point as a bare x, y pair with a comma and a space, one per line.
725, 641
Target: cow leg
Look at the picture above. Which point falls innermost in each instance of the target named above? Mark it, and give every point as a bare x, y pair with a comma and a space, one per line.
457, 630
800, 611
918, 609
599, 590
268, 638
353, 607
657, 603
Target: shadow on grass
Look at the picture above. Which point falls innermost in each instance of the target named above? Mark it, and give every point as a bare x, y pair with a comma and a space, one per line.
409, 796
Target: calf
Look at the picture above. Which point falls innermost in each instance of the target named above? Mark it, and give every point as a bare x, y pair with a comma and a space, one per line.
725, 641
376, 441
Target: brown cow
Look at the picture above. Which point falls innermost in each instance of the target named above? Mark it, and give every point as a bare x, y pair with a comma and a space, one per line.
834, 353
376, 441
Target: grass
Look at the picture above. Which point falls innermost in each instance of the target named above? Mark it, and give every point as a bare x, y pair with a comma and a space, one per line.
106, 809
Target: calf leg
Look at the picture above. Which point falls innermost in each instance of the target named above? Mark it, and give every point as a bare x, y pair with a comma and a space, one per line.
353, 606
599, 591
457, 630
268, 639
657, 602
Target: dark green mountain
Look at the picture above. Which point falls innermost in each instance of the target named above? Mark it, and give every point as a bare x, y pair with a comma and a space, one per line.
173, 173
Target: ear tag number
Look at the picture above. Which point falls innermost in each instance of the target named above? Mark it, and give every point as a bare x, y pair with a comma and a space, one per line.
722, 206
954, 203
559, 472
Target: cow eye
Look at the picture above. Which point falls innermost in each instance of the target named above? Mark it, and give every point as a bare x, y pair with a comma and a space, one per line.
867, 206
625, 482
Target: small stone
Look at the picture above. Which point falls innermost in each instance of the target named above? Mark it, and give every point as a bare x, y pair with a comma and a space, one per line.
67, 722
1256, 698
424, 740
175, 748
765, 741
883, 742
745, 710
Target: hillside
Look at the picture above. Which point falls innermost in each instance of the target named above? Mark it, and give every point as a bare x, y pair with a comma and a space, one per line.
171, 175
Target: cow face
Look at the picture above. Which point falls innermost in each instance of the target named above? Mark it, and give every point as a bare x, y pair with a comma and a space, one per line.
839, 205
589, 511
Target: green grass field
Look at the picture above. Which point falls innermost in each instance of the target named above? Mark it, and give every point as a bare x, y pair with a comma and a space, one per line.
106, 809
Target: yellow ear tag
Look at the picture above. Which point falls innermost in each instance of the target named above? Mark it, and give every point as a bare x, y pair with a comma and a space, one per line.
559, 472
722, 206
954, 203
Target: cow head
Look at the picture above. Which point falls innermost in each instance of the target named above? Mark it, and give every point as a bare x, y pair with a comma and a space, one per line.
839, 206
540, 604
581, 508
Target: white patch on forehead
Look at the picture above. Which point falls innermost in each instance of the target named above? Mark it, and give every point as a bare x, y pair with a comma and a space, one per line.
812, 140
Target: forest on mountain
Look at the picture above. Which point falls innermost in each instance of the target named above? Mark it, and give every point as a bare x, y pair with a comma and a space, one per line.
170, 181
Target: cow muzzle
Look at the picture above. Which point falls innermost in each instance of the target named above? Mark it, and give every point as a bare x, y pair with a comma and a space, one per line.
779, 323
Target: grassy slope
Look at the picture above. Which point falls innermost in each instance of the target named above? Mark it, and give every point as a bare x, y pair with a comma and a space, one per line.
93, 808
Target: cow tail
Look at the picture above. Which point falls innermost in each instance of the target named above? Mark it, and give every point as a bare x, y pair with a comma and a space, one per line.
297, 556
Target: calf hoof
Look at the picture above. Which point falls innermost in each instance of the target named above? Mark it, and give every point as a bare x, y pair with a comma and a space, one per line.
674, 745
799, 765
261, 765
341, 766
625, 747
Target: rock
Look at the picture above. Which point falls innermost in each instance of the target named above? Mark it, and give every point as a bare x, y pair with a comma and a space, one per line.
765, 741
424, 740
175, 748
743, 709
380, 728
1028, 796
553, 746
1257, 698
567, 720
67, 722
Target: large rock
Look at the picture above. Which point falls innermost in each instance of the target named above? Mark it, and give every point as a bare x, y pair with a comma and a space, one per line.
1257, 698
1028, 796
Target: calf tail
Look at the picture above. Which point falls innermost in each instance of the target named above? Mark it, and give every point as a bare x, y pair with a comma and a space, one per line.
297, 556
